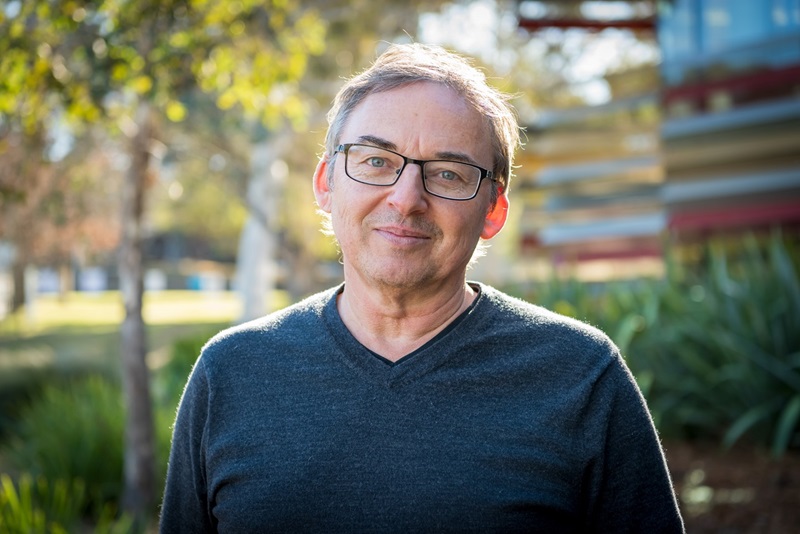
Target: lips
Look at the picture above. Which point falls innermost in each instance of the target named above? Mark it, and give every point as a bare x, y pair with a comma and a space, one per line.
403, 232
402, 237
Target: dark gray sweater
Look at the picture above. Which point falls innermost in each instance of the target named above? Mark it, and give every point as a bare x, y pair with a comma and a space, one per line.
512, 419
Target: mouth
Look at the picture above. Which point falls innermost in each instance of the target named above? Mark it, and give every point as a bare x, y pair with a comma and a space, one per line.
400, 235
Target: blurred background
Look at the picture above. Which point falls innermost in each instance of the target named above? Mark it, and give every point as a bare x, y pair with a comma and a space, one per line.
155, 187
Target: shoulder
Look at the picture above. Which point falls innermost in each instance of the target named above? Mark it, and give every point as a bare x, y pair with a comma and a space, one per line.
566, 357
522, 323
293, 323
526, 332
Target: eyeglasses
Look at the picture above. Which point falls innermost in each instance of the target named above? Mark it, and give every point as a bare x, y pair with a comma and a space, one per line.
452, 180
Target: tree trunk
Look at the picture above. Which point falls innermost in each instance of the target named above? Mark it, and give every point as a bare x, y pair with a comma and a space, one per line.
256, 268
139, 490
18, 296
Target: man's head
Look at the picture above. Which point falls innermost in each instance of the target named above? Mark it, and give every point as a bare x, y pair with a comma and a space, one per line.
418, 157
403, 65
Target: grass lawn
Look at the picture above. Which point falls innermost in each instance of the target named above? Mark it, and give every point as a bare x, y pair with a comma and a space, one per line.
105, 308
80, 331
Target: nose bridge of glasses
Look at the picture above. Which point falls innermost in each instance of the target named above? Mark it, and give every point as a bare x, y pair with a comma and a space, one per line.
406, 161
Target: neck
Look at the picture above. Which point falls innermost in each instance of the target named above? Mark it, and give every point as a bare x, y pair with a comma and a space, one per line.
396, 322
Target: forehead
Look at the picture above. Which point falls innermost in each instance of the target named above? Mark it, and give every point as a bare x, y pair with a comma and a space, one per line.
420, 120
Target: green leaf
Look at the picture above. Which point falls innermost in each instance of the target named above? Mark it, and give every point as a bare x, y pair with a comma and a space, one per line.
226, 100
627, 329
645, 381
180, 40
142, 84
786, 271
175, 111
786, 426
9, 493
746, 421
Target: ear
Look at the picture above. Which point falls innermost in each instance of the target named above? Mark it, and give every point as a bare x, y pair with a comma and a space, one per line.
322, 189
496, 217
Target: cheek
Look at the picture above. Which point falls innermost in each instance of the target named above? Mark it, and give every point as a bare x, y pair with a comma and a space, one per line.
346, 219
465, 233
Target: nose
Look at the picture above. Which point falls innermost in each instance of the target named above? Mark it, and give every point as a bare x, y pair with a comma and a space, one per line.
407, 195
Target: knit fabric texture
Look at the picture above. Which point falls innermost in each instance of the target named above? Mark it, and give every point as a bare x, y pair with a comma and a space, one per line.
513, 419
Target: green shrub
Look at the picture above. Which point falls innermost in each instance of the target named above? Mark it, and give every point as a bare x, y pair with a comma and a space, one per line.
18, 387
73, 431
38, 506
22, 378
722, 347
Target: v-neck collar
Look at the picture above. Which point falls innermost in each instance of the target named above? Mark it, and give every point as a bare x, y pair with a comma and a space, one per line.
378, 369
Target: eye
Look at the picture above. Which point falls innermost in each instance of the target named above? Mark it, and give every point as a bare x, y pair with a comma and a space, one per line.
375, 161
448, 175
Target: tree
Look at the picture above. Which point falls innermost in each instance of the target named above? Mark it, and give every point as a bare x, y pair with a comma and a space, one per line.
125, 64
243, 167
58, 213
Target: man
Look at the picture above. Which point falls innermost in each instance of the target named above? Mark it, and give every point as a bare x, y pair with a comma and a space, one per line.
406, 399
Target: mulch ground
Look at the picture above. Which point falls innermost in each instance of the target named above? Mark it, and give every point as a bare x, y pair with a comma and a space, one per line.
741, 491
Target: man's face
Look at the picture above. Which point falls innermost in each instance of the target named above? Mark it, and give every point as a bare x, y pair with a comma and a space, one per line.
400, 236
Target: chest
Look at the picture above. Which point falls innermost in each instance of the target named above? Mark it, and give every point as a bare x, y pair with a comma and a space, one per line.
348, 456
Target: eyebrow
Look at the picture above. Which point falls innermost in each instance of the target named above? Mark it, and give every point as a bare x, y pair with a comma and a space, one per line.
446, 155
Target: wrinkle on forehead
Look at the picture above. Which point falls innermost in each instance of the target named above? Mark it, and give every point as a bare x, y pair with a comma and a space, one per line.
423, 120
445, 155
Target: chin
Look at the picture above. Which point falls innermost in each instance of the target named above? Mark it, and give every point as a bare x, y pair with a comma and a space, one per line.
399, 278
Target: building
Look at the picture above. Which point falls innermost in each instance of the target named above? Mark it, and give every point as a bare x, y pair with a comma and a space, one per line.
711, 145
731, 114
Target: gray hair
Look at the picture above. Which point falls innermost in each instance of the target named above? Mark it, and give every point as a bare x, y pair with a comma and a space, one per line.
406, 64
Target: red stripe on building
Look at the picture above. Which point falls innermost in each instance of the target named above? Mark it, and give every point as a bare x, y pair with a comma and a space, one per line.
735, 216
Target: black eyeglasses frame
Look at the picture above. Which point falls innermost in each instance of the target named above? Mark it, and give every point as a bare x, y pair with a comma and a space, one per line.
345, 148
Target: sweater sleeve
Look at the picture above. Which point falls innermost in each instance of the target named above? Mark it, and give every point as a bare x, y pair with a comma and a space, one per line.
185, 507
629, 484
